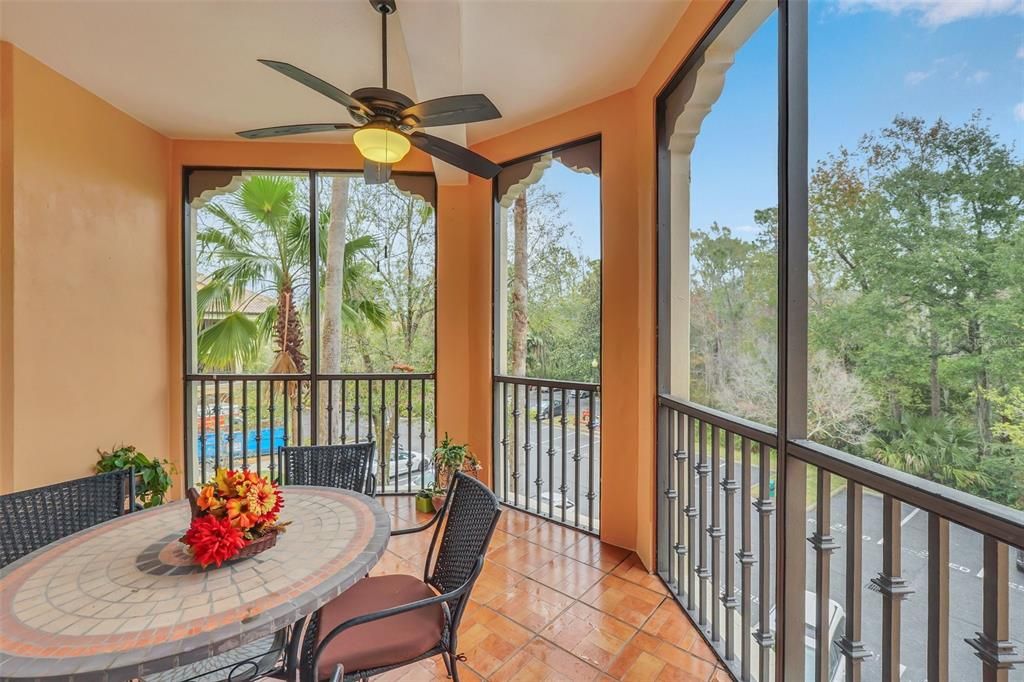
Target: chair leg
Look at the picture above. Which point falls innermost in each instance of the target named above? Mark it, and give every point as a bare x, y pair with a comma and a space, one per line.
455, 669
447, 662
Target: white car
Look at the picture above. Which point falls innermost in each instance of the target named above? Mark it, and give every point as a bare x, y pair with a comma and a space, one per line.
405, 461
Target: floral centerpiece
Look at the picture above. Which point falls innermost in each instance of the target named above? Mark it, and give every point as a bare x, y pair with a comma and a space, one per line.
235, 515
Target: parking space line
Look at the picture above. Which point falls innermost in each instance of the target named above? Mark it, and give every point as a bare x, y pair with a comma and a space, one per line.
903, 522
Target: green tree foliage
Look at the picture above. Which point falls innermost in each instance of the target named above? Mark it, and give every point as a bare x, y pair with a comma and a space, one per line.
916, 306
564, 294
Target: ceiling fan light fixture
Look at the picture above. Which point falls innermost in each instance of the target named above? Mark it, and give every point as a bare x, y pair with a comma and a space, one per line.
381, 144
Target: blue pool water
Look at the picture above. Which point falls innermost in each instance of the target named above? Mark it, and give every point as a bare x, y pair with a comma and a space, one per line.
268, 442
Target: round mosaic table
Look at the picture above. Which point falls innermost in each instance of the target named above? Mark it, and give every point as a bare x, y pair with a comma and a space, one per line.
123, 599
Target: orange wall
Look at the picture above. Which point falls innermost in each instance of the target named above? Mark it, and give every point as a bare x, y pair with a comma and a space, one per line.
84, 305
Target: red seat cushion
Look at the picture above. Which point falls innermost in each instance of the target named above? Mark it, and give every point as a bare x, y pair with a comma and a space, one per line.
384, 642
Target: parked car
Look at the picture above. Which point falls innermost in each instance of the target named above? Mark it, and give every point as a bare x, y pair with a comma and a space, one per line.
406, 460
550, 408
559, 501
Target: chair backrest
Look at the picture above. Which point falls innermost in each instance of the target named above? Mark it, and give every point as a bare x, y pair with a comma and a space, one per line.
332, 466
31, 519
469, 516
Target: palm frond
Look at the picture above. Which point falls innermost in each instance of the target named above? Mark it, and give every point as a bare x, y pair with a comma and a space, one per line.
228, 343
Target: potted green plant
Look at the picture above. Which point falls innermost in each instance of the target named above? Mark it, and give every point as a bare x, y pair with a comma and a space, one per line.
152, 476
425, 499
450, 457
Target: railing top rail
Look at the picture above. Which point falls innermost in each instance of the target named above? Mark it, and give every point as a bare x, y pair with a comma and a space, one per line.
972, 512
548, 383
739, 426
976, 513
381, 376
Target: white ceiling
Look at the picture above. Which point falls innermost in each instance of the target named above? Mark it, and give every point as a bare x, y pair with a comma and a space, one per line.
188, 69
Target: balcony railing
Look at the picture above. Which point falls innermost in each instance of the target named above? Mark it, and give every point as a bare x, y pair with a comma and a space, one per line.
547, 449
715, 473
242, 420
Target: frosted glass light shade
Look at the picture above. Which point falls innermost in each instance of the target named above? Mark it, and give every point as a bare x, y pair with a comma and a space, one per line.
381, 145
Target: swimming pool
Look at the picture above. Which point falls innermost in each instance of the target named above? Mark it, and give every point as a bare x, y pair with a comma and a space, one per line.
266, 441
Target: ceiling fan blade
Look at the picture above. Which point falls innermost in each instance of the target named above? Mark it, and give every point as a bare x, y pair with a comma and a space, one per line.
297, 129
446, 111
460, 157
321, 86
376, 173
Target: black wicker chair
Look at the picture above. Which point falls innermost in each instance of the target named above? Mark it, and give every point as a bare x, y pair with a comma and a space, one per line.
333, 466
34, 518
390, 621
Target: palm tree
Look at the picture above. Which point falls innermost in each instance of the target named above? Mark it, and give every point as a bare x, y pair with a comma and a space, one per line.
259, 246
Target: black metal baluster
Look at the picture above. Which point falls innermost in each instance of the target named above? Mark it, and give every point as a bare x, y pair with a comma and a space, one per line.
682, 542
423, 432
540, 438
216, 423
666, 461
564, 488
691, 514
515, 445
286, 416
231, 424
824, 544
746, 559
202, 432
592, 452
259, 430
330, 412
357, 411
298, 412
938, 599
765, 638
703, 571
664, 500
344, 411
893, 587
715, 533
273, 433
576, 461
383, 412
851, 645
245, 424
408, 435
729, 601
504, 442
551, 452
993, 644
527, 448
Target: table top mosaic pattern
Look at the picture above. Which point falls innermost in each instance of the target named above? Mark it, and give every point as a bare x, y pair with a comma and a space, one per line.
124, 598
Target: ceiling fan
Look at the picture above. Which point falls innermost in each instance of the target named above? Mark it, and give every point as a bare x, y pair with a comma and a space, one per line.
389, 121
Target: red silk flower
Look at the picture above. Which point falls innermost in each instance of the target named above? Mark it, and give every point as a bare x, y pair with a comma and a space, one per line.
213, 540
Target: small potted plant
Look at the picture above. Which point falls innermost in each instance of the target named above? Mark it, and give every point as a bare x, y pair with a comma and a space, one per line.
152, 476
425, 499
449, 458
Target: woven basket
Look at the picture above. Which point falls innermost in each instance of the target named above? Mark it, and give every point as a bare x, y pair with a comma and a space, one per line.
254, 547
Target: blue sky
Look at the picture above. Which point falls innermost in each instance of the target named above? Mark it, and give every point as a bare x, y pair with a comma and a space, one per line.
869, 60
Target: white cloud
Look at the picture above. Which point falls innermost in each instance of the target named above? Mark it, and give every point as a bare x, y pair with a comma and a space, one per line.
938, 12
1020, 52
1018, 111
978, 77
917, 77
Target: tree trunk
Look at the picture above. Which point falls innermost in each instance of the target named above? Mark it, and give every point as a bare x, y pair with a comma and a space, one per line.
333, 293
520, 284
288, 330
409, 331
933, 373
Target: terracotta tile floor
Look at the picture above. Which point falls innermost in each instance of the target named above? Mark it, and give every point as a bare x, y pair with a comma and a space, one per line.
556, 604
